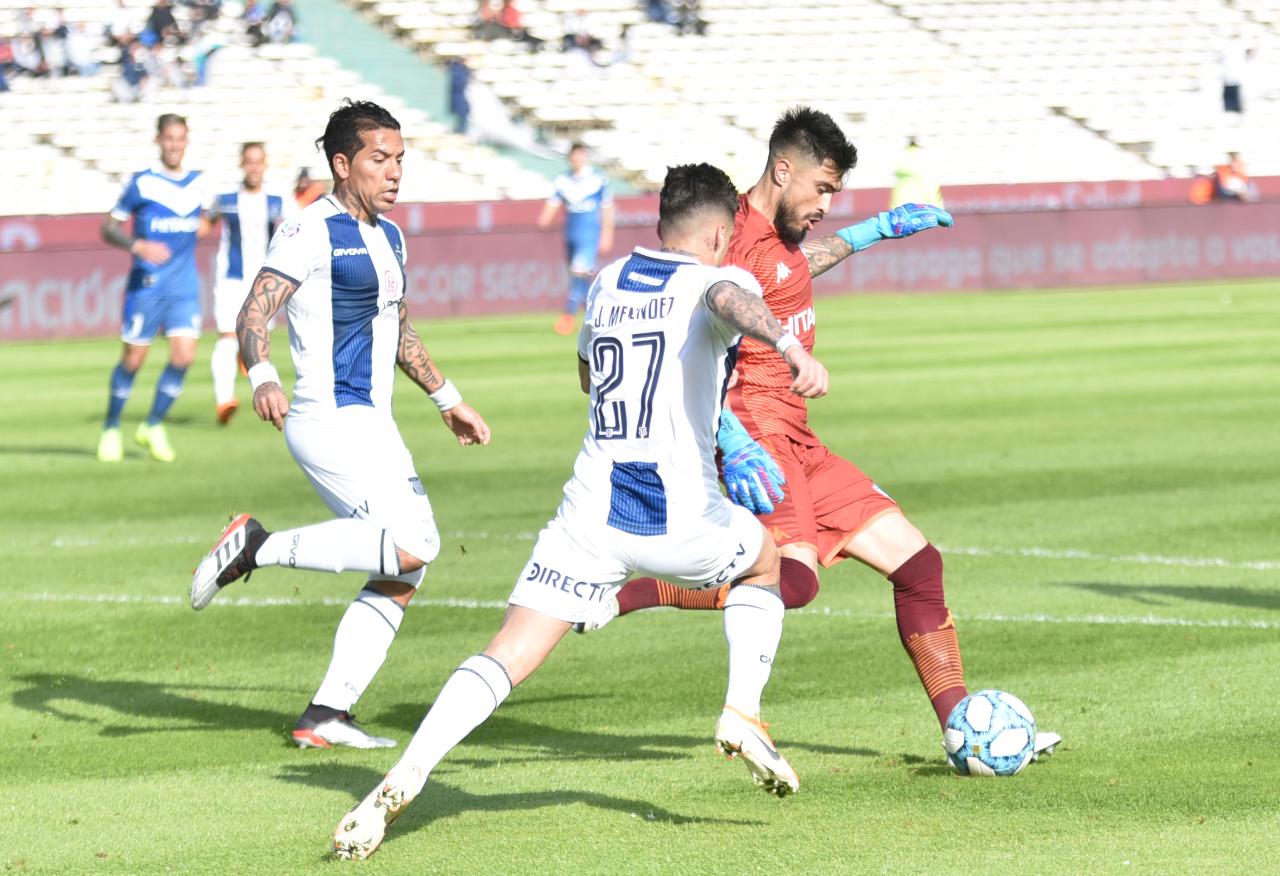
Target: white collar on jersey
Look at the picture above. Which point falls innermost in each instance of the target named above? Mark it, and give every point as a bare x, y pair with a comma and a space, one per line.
161, 170
666, 256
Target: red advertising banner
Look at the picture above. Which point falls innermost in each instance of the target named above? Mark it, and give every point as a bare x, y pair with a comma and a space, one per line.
71, 285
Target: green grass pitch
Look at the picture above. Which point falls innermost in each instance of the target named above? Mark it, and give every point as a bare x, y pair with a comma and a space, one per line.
1100, 469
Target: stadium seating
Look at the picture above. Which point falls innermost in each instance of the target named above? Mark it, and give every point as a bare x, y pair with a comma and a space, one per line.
71, 145
998, 91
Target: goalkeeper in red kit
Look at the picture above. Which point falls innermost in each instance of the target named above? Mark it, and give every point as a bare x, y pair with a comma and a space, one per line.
831, 509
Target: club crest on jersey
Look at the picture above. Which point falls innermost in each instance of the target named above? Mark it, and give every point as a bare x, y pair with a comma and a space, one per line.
783, 271
390, 282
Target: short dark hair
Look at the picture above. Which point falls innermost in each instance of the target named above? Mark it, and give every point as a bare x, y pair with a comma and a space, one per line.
252, 144
814, 135
167, 119
691, 188
348, 122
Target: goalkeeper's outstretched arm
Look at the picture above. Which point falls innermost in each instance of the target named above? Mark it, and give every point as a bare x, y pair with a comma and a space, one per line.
903, 221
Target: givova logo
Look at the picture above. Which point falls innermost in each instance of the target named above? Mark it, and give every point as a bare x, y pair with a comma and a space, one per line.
339, 251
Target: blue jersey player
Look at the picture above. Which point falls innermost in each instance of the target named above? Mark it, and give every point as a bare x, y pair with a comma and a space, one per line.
588, 227
163, 203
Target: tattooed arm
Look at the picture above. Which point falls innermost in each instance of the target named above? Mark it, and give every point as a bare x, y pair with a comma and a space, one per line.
747, 314
825, 253
412, 357
269, 293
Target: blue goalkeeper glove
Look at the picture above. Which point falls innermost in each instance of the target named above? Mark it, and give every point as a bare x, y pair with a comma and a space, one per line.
902, 221
751, 477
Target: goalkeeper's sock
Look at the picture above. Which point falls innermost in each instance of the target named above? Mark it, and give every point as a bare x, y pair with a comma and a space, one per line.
474, 691
927, 629
343, 545
653, 592
752, 628
799, 585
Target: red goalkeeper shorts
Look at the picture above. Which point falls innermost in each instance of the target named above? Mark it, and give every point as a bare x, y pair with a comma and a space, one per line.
828, 500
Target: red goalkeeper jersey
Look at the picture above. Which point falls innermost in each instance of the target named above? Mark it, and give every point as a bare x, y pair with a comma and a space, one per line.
761, 397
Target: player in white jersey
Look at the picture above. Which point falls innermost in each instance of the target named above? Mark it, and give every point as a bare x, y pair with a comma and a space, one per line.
249, 214
340, 268
655, 351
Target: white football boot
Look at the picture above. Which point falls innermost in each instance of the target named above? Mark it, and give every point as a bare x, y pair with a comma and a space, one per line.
1044, 745
606, 611
362, 830
342, 731
740, 736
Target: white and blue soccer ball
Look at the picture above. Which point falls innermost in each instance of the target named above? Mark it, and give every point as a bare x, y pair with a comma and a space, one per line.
990, 733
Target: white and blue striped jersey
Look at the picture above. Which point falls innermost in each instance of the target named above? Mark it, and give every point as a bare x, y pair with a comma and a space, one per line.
344, 323
164, 207
584, 195
659, 362
248, 221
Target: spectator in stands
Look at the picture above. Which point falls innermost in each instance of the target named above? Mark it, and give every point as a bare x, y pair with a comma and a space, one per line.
79, 47
459, 79
27, 57
53, 44
6, 63
688, 19
660, 11
122, 26
253, 16
133, 84
307, 190
1231, 181
282, 22
1234, 58
579, 32
162, 26
507, 21
913, 179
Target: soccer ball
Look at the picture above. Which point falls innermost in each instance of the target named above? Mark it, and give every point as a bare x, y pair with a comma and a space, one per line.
990, 733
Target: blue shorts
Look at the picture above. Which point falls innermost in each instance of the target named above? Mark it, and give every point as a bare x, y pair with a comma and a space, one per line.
582, 255
145, 315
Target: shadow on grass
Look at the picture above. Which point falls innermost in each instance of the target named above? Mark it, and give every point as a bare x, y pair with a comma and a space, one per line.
440, 800
1169, 594
89, 451
173, 707
543, 742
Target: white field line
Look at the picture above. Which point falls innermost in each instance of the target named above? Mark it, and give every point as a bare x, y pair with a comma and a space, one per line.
494, 605
1141, 559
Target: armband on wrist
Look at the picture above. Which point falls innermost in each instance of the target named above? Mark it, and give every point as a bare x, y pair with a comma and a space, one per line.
446, 397
786, 342
263, 372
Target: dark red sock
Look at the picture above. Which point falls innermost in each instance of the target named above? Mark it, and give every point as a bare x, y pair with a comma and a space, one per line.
927, 630
798, 583
653, 592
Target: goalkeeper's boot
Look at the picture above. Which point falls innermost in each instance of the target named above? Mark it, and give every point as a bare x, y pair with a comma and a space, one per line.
110, 446
231, 559
601, 614
362, 830
155, 439
1044, 745
341, 730
738, 735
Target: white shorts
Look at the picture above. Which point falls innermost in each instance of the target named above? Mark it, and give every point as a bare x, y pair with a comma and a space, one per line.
357, 462
228, 298
574, 562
